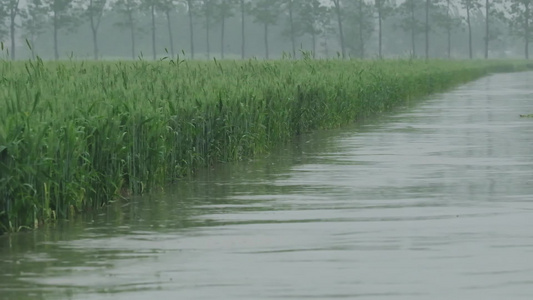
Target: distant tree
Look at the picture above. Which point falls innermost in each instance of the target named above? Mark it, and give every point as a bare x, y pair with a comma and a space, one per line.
521, 14
224, 9
431, 15
3, 30
290, 6
487, 17
167, 7
360, 20
312, 16
327, 27
34, 22
492, 11
449, 19
206, 9
151, 6
128, 10
11, 10
383, 8
409, 13
245, 6
94, 12
470, 6
266, 12
64, 16
338, 13
191, 6
3, 17
427, 27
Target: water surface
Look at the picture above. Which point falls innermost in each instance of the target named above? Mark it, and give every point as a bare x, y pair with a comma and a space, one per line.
433, 202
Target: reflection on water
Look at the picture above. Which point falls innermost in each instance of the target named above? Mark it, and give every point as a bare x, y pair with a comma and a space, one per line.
430, 203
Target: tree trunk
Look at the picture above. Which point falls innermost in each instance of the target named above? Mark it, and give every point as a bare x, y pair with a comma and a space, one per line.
95, 42
153, 31
313, 41
191, 28
94, 28
13, 14
470, 54
361, 32
94, 31
293, 38
222, 30
413, 29
526, 25
339, 20
132, 31
427, 29
12, 31
326, 46
207, 29
487, 10
380, 53
266, 39
56, 51
242, 29
170, 38
449, 30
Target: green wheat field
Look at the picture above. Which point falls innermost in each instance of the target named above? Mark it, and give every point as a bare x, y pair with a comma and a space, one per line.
76, 135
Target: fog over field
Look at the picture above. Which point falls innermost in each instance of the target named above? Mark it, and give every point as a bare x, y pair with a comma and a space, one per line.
235, 29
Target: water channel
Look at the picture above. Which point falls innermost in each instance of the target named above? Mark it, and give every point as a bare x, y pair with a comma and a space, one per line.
432, 202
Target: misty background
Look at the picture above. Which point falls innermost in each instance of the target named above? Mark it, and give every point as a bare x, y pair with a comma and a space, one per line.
235, 29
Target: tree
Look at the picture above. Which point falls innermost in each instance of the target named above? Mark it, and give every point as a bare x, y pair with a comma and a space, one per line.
491, 11
167, 7
245, 7
128, 10
190, 13
266, 12
521, 13
206, 10
312, 15
426, 29
409, 12
384, 8
448, 18
431, 14
152, 6
289, 7
361, 22
10, 9
3, 16
469, 6
64, 16
94, 12
448, 25
338, 5
35, 20
327, 29
487, 16
224, 10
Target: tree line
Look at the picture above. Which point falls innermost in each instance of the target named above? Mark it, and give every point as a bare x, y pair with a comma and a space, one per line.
349, 23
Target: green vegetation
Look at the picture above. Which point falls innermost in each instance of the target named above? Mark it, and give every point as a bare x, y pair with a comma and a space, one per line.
74, 135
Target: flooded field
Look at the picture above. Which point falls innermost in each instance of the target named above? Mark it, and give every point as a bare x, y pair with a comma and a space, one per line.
433, 202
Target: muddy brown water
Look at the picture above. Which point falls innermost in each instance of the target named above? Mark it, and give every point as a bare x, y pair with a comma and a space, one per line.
432, 202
